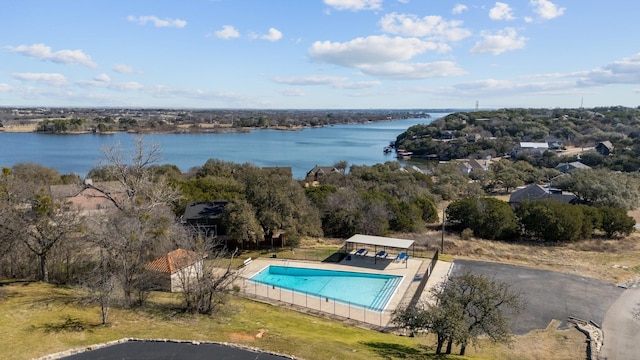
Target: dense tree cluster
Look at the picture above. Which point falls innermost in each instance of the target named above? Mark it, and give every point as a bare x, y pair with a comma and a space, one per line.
545, 220
374, 200
496, 133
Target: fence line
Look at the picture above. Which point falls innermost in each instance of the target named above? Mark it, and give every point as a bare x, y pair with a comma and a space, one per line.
423, 282
324, 304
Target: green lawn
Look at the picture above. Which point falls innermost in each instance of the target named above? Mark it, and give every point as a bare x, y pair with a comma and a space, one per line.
38, 319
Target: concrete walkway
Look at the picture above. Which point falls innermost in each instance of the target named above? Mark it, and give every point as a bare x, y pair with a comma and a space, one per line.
439, 274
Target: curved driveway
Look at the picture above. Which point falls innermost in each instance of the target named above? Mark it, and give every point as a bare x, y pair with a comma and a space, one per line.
621, 331
548, 295
157, 350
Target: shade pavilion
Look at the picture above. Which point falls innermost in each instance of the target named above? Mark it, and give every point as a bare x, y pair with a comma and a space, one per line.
379, 241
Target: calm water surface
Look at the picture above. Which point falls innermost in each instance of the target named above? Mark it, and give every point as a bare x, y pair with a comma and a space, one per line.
360, 144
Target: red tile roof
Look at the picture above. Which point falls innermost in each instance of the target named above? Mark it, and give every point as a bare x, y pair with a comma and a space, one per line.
173, 261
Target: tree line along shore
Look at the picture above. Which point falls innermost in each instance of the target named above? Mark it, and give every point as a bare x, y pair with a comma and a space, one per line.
84, 120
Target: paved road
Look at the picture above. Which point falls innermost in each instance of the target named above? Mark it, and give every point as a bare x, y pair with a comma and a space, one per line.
549, 295
621, 331
147, 350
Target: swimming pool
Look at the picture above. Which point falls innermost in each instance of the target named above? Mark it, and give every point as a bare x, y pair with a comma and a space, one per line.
371, 291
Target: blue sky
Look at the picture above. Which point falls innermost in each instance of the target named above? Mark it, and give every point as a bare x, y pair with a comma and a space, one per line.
316, 54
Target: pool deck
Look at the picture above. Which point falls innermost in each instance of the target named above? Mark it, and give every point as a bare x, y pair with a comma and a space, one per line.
409, 270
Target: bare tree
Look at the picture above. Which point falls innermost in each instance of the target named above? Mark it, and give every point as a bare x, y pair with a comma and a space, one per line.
43, 224
141, 190
205, 283
141, 227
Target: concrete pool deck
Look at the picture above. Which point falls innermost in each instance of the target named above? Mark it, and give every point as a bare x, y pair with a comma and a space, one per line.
410, 270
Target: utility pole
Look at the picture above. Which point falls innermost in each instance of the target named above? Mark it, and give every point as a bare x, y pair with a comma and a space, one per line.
444, 220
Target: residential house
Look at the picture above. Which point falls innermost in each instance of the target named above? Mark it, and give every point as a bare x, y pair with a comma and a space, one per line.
89, 197
473, 165
566, 167
464, 167
206, 216
530, 148
555, 144
535, 192
175, 270
318, 172
474, 137
604, 148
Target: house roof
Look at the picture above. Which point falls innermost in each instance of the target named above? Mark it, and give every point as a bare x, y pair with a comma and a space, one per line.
322, 170
173, 261
204, 210
534, 145
606, 144
479, 164
87, 196
70, 190
537, 192
565, 167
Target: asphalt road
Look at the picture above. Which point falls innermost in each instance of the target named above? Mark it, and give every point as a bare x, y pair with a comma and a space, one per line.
548, 295
150, 350
621, 331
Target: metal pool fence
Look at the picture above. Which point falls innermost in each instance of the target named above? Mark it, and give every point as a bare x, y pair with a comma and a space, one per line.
328, 305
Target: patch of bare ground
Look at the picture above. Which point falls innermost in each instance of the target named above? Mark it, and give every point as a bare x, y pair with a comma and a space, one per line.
549, 343
612, 260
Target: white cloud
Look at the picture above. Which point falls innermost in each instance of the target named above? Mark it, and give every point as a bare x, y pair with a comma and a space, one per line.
354, 5
625, 71
51, 79
459, 8
508, 87
337, 82
310, 80
43, 52
128, 86
369, 50
432, 27
227, 32
157, 22
123, 69
408, 71
501, 11
5, 87
296, 92
273, 35
356, 85
503, 40
102, 78
546, 9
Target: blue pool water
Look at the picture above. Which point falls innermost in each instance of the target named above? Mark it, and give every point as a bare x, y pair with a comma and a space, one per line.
371, 291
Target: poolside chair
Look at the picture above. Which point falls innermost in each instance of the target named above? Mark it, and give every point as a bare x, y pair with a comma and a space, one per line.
382, 254
401, 256
362, 252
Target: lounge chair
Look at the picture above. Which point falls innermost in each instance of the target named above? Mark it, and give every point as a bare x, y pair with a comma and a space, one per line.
361, 252
401, 256
382, 254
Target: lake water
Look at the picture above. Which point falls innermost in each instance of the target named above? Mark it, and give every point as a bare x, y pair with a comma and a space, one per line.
359, 144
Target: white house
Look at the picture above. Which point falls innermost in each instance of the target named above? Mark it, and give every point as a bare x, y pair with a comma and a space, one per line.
176, 270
